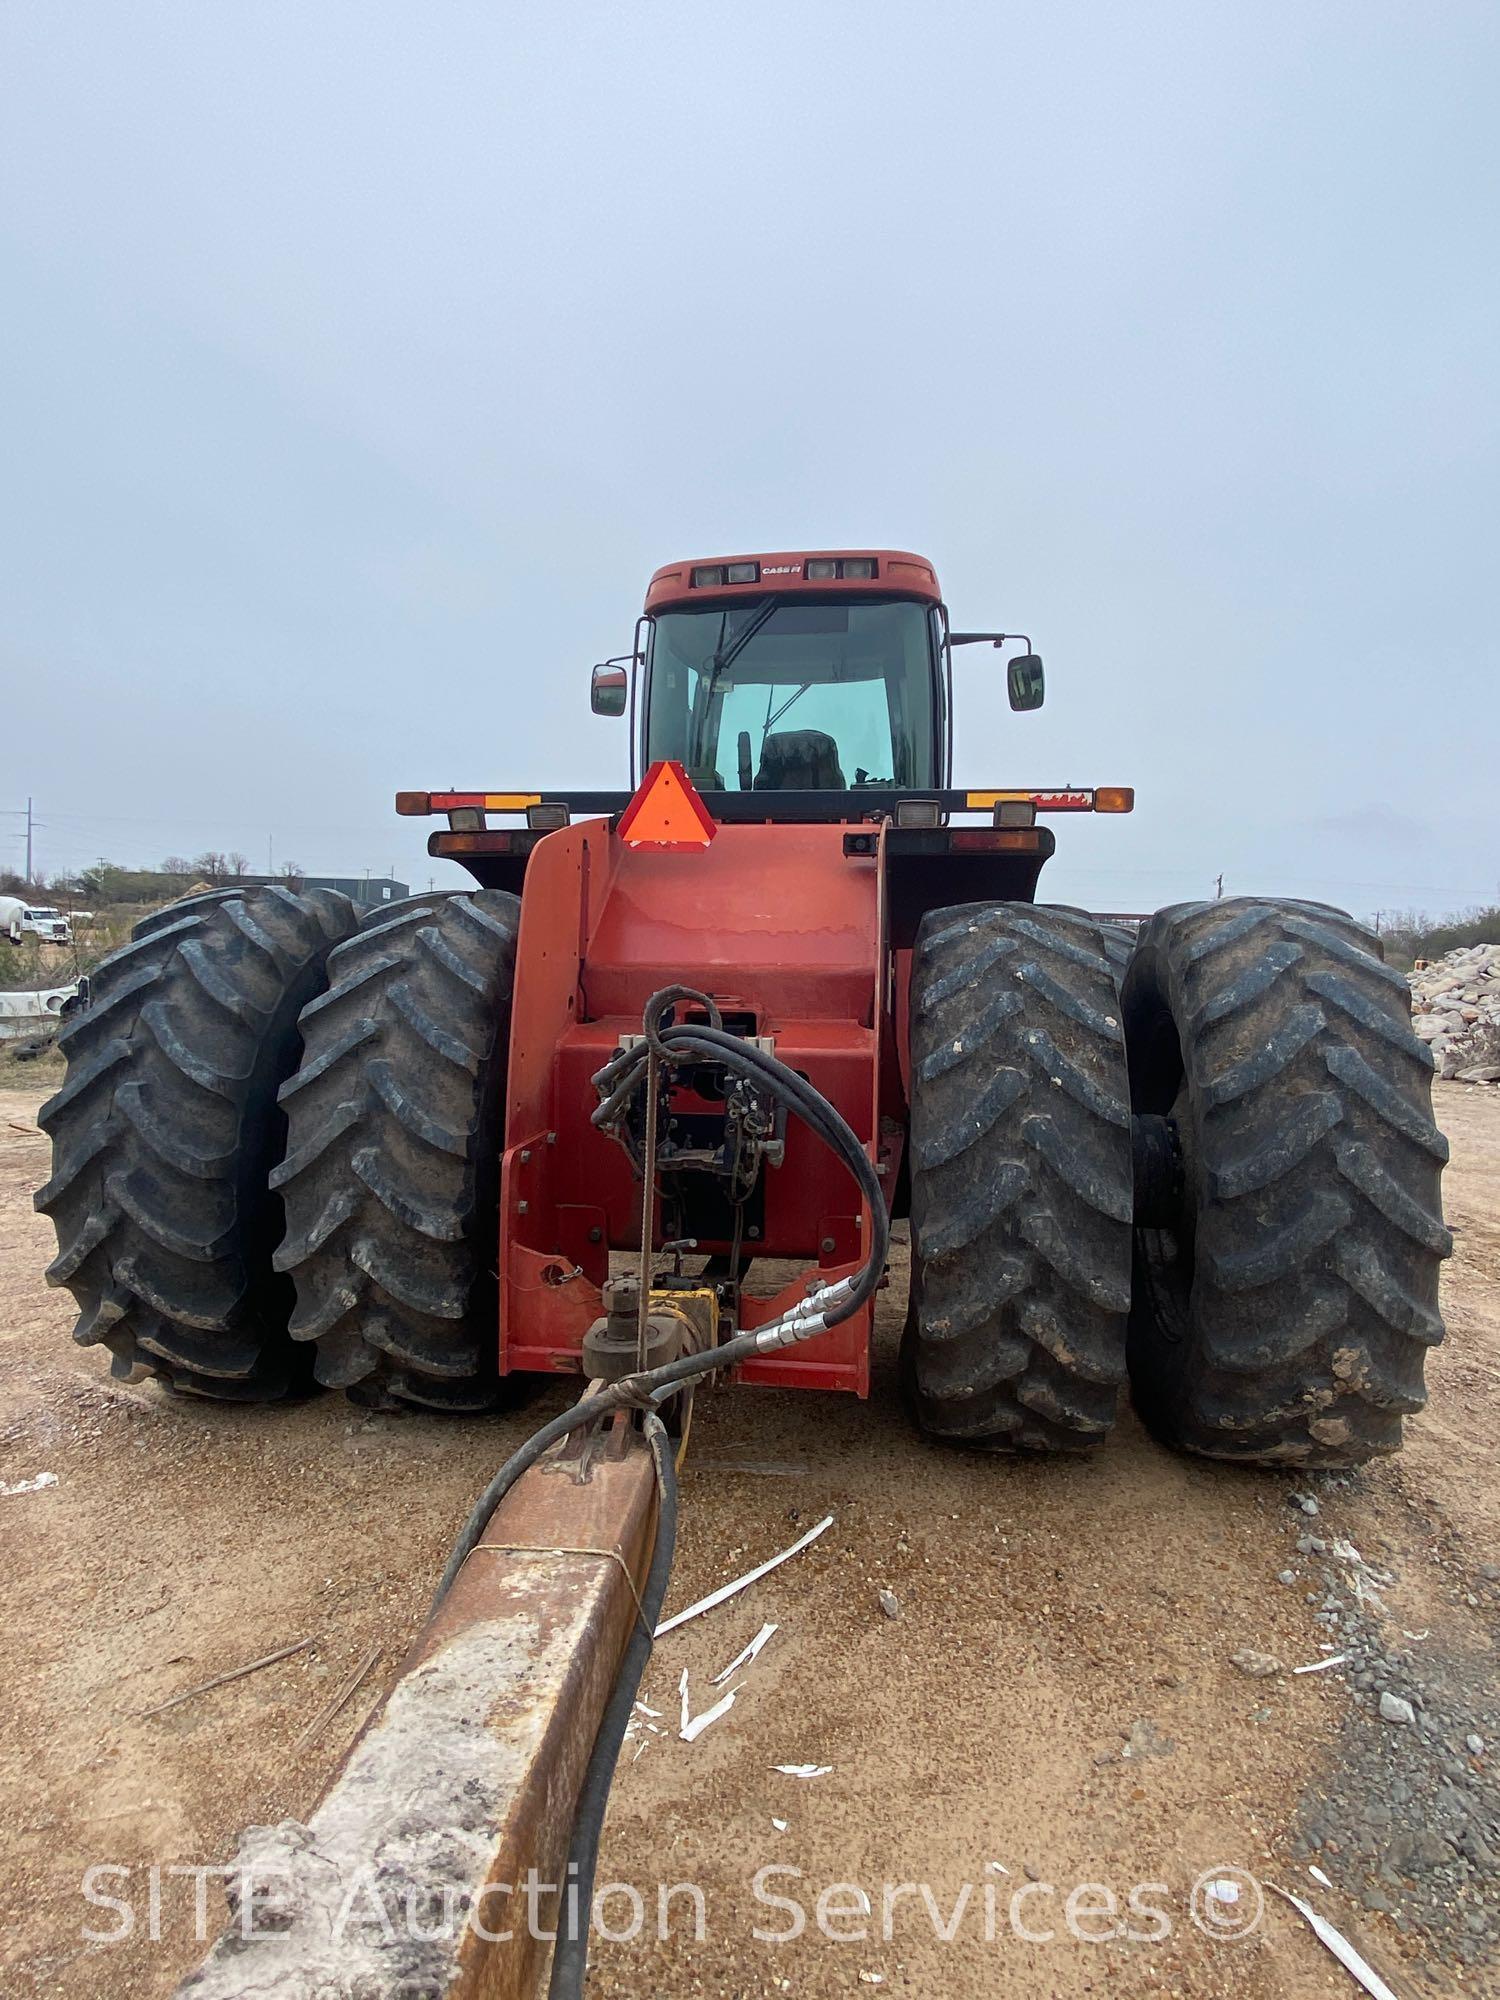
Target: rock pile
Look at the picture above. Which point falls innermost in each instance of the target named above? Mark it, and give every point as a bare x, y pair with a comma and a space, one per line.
1455, 1004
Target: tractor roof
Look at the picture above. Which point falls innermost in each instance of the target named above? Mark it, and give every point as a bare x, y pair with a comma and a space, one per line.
882, 572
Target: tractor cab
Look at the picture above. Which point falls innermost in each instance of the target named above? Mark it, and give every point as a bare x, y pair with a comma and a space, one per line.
809, 688
798, 673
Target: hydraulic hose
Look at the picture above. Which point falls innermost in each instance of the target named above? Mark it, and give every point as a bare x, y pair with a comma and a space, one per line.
570, 1954
623, 1075
632, 1392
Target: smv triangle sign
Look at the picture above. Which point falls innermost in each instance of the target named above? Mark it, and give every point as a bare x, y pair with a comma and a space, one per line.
667, 811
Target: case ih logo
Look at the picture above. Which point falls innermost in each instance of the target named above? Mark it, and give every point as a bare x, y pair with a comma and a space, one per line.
781, 569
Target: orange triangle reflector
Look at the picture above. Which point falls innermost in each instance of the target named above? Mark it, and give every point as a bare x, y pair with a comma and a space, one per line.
667, 811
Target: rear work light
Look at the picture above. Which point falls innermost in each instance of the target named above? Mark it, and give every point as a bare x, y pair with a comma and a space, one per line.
918, 812
546, 817
708, 578
1015, 812
995, 840
743, 572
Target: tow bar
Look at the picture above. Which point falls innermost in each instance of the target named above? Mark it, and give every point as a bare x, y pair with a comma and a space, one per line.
459, 1837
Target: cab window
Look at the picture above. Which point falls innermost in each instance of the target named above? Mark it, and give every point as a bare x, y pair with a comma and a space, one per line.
794, 694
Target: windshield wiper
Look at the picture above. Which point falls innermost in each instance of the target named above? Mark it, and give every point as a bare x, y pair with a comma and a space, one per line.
772, 720
726, 656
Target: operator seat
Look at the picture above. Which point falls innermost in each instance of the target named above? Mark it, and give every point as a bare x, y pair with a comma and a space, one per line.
799, 760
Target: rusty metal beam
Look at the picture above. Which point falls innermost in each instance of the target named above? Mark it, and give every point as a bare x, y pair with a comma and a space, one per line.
410, 1877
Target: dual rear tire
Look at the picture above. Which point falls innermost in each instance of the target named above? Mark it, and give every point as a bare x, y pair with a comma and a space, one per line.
1020, 1179
392, 1168
276, 1150
1273, 1294
1284, 1304
165, 1132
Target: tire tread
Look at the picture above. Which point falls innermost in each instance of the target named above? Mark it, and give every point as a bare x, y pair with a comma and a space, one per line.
1021, 1177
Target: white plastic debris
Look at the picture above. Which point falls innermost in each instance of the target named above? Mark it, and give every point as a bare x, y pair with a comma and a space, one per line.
803, 1770
1323, 1881
682, 1689
743, 1582
1322, 1666
645, 1710
743, 1659
1223, 1890
691, 1731
998, 1866
37, 1485
1357, 1967
780, 1825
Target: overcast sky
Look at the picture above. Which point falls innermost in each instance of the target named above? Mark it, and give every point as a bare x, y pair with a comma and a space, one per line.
360, 361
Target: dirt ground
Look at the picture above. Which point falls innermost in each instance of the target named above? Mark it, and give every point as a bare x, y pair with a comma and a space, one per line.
1053, 1706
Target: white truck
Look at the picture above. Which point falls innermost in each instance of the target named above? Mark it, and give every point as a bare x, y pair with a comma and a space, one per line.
19, 920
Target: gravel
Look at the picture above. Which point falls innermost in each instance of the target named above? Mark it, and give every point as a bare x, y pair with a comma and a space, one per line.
1456, 1011
1406, 1818
1259, 1666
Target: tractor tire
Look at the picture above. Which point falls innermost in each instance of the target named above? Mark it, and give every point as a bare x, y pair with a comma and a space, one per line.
1116, 940
391, 1176
165, 1131
1020, 1178
1284, 1309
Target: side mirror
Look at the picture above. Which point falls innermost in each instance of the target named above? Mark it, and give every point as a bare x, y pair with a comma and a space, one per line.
1027, 684
609, 690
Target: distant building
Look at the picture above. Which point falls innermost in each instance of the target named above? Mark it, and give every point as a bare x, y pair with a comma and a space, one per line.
368, 891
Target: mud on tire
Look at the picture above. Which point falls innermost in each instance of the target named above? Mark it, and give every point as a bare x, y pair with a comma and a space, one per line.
165, 1131
391, 1176
1021, 1179
1285, 1312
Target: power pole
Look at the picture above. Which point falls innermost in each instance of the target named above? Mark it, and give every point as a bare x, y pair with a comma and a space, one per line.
1218, 887
28, 841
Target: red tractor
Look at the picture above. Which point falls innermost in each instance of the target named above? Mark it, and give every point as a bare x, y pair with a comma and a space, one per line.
415, 1156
